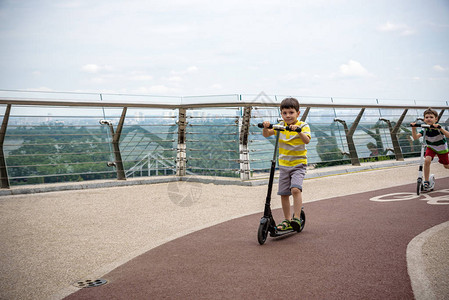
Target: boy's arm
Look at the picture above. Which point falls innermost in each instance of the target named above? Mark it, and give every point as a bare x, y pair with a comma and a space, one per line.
415, 134
266, 132
304, 137
442, 130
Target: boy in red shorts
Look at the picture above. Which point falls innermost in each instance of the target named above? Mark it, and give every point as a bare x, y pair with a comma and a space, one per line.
436, 144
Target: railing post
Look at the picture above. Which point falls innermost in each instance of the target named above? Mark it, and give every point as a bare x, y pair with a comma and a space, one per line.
116, 146
440, 115
3, 168
244, 125
118, 163
305, 114
394, 135
349, 137
181, 151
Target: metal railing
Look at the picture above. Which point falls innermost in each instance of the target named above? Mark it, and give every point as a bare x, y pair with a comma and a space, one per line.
54, 137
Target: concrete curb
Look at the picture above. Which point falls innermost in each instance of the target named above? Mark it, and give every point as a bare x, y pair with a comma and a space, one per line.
422, 288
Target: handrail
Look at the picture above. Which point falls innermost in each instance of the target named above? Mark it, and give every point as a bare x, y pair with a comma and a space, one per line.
43, 102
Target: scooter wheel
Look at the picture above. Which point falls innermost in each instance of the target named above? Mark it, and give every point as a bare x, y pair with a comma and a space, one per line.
262, 233
303, 218
419, 186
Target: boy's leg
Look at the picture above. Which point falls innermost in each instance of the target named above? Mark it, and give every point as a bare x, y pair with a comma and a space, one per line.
284, 190
297, 202
428, 157
427, 162
296, 188
285, 200
297, 205
444, 160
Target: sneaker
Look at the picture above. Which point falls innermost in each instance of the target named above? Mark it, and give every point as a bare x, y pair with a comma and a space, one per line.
431, 182
426, 186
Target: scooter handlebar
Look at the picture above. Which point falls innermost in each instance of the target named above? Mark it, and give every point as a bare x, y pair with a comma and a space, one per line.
425, 126
260, 125
279, 127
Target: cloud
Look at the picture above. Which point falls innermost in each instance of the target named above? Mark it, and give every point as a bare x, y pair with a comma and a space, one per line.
293, 76
175, 79
171, 29
93, 68
109, 77
69, 4
90, 68
98, 80
189, 70
141, 77
354, 69
439, 68
156, 89
41, 89
177, 76
402, 29
192, 69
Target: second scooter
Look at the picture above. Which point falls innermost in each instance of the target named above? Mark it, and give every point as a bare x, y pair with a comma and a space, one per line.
420, 181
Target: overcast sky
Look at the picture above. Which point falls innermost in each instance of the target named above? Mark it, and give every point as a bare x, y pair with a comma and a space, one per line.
369, 49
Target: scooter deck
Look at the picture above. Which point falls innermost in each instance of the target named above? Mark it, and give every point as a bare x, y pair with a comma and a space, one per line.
283, 232
274, 232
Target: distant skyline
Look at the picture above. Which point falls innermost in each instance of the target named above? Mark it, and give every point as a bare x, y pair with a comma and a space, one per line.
341, 48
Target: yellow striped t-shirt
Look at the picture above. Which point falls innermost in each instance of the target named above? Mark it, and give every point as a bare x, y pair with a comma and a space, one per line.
292, 150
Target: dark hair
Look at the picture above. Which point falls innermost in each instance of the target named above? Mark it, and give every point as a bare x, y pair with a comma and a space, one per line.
430, 111
290, 103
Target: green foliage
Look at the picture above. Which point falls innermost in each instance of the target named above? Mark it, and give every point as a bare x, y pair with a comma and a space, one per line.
54, 153
327, 146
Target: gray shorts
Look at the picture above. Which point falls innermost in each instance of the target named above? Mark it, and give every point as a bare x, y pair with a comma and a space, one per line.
291, 177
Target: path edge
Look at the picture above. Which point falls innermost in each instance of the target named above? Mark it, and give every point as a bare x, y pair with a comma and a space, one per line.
421, 286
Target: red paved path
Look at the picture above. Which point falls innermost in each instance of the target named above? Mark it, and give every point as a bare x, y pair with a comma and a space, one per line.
351, 248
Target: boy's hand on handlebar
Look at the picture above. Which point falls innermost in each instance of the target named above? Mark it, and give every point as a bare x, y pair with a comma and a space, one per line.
437, 126
265, 124
294, 128
413, 124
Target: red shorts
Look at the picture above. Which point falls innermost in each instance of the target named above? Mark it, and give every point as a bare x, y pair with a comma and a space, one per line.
442, 158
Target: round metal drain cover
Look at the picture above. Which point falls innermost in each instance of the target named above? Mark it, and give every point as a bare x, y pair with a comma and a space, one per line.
90, 283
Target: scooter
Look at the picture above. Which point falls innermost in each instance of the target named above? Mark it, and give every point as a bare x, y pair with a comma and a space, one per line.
267, 223
420, 181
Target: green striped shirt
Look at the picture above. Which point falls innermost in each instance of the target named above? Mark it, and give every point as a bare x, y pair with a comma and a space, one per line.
435, 140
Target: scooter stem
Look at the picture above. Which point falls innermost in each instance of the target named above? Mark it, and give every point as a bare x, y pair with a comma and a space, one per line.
267, 212
421, 158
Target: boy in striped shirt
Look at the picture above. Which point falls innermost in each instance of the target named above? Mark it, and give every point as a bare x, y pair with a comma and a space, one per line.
292, 161
436, 144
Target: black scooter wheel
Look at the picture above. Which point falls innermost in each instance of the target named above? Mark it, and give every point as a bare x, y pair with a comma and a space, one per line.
303, 218
262, 233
